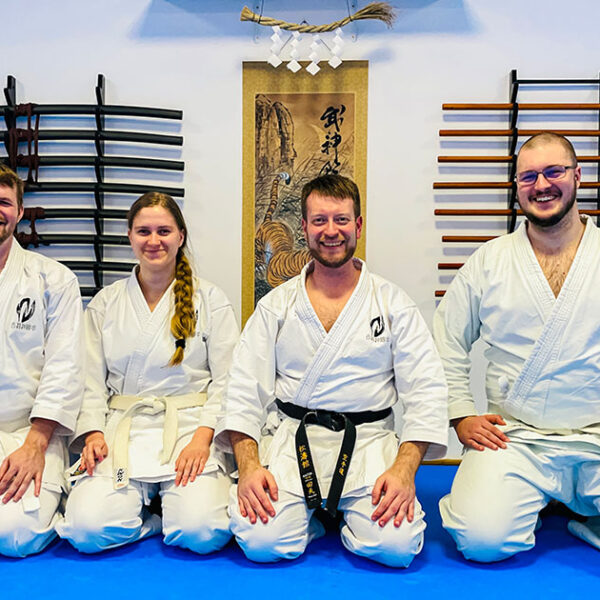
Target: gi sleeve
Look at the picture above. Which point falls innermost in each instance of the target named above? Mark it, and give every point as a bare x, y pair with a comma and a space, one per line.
94, 408
60, 388
456, 326
251, 383
420, 383
222, 337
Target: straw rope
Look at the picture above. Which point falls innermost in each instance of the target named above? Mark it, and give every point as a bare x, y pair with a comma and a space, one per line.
381, 11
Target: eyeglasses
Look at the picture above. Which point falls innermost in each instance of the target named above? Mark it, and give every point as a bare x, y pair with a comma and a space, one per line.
551, 173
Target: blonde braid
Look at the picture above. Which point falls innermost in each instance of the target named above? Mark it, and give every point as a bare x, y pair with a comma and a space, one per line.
183, 323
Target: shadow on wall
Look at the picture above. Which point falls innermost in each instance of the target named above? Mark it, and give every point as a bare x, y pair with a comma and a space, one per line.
218, 18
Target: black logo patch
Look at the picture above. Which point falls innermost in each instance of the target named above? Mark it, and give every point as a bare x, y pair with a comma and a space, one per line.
25, 310
377, 326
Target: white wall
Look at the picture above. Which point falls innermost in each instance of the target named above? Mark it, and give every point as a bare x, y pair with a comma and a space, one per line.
187, 54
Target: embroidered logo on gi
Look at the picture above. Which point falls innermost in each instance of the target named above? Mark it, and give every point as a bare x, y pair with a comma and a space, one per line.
377, 326
25, 309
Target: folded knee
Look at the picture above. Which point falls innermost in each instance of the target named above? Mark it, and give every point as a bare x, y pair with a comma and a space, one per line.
22, 534
398, 548
200, 533
388, 545
17, 543
489, 545
84, 530
91, 531
267, 542
486, 538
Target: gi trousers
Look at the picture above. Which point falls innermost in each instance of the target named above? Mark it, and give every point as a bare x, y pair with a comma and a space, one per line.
492, 509
98, 517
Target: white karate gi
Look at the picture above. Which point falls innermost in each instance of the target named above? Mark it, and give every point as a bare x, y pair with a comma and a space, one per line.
543, 377
378, 352
128, 351
40, 377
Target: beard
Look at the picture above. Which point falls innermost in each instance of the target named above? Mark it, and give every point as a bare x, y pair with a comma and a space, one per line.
332, 264
5, 233
552, 219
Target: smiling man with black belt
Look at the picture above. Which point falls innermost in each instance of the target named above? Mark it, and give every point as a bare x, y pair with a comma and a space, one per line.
323, 359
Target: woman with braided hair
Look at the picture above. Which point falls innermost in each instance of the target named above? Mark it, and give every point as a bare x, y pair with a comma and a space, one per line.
158, 349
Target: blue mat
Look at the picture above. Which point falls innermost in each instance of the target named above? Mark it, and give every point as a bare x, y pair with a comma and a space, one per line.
560, 566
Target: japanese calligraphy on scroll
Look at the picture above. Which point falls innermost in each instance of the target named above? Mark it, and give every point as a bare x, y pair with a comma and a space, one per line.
295, 128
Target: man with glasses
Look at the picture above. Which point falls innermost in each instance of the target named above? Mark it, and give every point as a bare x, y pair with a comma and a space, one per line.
532, 297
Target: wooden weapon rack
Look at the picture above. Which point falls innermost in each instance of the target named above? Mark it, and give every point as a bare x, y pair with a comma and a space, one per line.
487, 174
85, 200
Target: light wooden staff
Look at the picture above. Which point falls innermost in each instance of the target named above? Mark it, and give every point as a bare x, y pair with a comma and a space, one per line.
489, 185
520, 132
500, 159
494, 212
466, 185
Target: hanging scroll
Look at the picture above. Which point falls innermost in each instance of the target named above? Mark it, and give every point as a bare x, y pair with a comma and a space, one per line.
296, 127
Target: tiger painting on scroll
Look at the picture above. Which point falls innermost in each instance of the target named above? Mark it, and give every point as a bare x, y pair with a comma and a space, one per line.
295, 136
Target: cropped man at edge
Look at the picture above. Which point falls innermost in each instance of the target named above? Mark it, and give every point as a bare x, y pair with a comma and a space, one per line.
41, 381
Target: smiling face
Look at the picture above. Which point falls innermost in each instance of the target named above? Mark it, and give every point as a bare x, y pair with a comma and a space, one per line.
546, 203
331, 229
155, 238
10, 213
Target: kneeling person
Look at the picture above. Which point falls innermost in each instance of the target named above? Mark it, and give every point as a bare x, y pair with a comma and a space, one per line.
158, 351
530, 295
40, 381
326, 355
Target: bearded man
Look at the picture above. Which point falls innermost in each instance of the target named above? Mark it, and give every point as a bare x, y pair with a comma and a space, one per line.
41, 381
323, 360
531, 296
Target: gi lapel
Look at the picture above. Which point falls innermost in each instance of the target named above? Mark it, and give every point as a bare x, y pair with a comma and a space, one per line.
547, 346
151, 325
329, 343
9, 276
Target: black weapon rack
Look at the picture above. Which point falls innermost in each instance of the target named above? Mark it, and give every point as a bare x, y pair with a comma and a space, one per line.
88, 199
523, 119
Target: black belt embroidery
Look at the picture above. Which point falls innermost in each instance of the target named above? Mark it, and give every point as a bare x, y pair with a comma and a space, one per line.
335, 421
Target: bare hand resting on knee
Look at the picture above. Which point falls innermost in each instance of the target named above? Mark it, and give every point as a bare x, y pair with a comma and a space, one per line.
192, 459
394, 490
480, 433
256, 484
26, 464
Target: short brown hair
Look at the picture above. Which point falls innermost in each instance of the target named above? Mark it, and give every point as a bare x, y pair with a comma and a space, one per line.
335, 186
549, 137
10, 179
